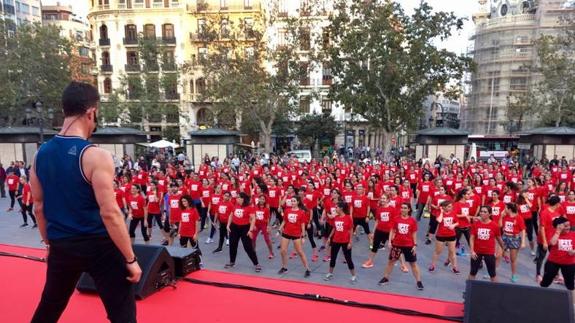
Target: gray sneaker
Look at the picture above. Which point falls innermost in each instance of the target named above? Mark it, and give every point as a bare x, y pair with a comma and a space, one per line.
328, 276
353, 279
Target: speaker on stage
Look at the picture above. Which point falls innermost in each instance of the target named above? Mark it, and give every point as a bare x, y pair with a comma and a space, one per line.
186, 260
157, 271
487, 302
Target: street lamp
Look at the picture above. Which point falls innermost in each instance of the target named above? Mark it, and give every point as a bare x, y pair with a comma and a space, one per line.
40, 115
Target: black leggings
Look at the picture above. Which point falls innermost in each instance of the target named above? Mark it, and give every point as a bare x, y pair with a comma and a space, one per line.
213, 228
489, 263
346, 253
184, 242
379, 237
432, 224
26, 210
12, 198
419, 212
310, 236
134, 224
529, 229
551, 270
275, 212
361, 222
462, 231
539, 257
315, 218
158, 218
223, 234
535, 216
237, 233
203, 217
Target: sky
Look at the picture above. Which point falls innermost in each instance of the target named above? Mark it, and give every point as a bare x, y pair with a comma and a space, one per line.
458, 43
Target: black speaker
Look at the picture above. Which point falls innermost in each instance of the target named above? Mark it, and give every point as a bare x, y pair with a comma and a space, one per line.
487, 302
186, 260
157, 272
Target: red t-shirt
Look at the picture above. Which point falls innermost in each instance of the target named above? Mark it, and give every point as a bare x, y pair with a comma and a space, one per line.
188, 222
12, 181
293, 220
311, 199
569, 209
512, 225
385, 216
348, 196
360, 205
404, 229
496, 210
223, 211
205, 193
330, 209
119, 196
524, 211
195, 190
153, 203
424, 189
175, 211
241, 215
27, 198
215, 199
443, 229
437, 200
485, 237
342, 229
136, 204
462, 207
559, 253
546, 223
262, 214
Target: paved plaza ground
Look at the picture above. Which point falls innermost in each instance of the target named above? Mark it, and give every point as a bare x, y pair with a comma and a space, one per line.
441, 284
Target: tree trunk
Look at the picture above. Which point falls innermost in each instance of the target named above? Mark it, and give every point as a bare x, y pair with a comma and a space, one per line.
266, 136
386, 138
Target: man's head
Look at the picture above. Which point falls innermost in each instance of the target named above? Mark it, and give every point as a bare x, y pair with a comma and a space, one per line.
80, 101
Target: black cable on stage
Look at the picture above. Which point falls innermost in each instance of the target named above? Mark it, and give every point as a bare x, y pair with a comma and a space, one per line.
324, 299
15, 255
309, 297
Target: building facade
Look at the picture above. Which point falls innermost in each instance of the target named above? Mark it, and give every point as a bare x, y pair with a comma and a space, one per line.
504, 52
78, 31
21, 11
439, 111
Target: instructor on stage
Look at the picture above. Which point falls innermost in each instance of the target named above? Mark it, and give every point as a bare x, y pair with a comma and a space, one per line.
79, 219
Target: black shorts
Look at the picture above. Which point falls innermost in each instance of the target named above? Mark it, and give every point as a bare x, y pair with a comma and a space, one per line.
326, 230
489, 263
396, 252
287, 236
445, 239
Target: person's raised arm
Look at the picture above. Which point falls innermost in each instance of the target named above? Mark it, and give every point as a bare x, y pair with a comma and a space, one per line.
99, 169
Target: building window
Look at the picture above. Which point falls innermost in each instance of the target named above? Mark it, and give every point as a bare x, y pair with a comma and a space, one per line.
250, 52
305, 38
138, 4
25, 9
85, 68
304, 74
326, 106
172, 114
326, 74
200, 86
204, 117
248, 4
107, 85
158, 4
249, 27
105, 58
132, 57
18, 6
103, 32
304, 104
84, 51
36, 11
325, 38
168, 31
131, 32
225, 29
224, 4
150, 31
282, 38
203, 53
283, 8
201, 26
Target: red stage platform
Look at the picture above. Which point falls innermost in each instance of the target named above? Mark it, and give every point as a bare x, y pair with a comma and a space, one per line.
22, 281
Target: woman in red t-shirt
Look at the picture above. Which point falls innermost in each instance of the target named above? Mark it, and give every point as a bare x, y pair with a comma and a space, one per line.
26, 202
340, 238
484, 234
223, 209
293, 228
241, 224
12, 181
154, 199
435, 210
447, 223
513, 228
384, 216
569, 206
262, 214
524, 209
403, 240
561, 254
138, 213
329, 212
188, 229
120, 198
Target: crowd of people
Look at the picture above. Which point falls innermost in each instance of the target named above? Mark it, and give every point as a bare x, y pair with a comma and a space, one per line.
498, 207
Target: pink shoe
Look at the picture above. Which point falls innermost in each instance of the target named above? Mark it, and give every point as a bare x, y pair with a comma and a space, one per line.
292, 255
271, 256
314, 258
326, 259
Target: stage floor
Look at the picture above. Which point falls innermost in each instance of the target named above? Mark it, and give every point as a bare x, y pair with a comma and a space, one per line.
22, 281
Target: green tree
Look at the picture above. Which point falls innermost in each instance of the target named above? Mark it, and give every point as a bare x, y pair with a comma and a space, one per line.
519, 107
555, 91
252, 80
385, 62
315, 128
34, 67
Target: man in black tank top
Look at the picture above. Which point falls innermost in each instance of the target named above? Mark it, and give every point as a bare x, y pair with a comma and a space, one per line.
78, 217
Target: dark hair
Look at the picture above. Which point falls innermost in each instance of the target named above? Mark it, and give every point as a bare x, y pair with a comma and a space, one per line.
246, 199
445, 203
512, 207
488, 208
461, 194
342, 205
408, 206
553, 200
79, 97
187, 198
559, 220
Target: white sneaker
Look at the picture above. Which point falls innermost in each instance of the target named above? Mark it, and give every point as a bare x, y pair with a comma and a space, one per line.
208, 241
532, 253
227, 242
353, 279
328, 276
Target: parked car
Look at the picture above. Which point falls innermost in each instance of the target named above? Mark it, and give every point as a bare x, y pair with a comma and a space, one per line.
301, 155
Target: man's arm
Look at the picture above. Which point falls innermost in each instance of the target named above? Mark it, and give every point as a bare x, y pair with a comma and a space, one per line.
38, 196
98, 167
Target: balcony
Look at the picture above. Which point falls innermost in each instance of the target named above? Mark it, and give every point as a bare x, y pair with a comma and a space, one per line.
169, 40
198, 37
104, 42
132, 68
131, 41
152, 67
203, 6
172, 96
106, 68
169, 67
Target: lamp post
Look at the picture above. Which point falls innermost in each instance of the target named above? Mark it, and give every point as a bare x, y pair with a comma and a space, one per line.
40, 114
